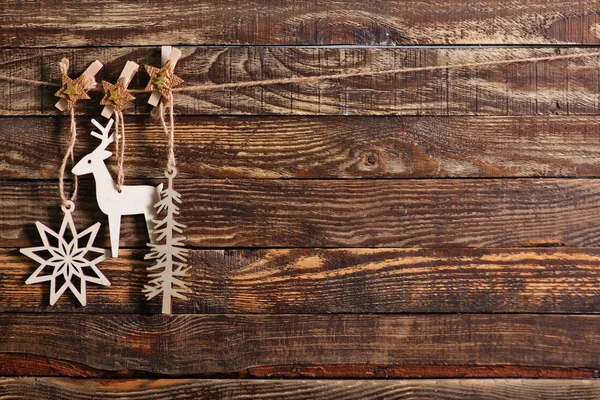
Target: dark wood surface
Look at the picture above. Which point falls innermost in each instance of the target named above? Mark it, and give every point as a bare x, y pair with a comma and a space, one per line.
298, 22
351, 280
547, 88
421, 227
340, 213
203, 345
324, 147
229, 389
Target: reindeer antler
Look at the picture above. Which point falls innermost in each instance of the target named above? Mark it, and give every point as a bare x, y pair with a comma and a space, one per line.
106, 140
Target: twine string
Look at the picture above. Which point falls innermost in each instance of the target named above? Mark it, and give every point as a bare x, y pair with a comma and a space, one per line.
170, 133
63, 166
120, 148
171, 162
303, 79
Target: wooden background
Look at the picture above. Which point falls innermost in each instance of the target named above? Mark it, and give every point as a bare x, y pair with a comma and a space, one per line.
442, 225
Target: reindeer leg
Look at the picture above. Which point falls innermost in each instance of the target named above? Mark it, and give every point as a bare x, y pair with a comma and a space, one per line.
114, 225
150, 225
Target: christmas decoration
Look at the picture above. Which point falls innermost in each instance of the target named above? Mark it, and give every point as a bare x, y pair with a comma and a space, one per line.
130, 200
67, 257
169, 57
169, 253
73, 90
170, 268
116, 95
69, 263
162, 79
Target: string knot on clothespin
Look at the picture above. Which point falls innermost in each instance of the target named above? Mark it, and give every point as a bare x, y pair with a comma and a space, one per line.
161, 84
71, 91
115, 97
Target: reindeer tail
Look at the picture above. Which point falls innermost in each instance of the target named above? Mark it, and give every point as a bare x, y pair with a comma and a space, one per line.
160, 188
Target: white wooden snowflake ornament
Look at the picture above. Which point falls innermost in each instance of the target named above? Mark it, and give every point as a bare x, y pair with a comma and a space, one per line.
67, 259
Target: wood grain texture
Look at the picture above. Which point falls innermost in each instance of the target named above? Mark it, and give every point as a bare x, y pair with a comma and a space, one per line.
339, 213
550, 87
336, 281
323, 147
198, 345
297, 22
229, 389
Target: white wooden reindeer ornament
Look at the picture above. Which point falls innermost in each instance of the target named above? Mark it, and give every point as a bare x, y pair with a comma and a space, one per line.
132, 200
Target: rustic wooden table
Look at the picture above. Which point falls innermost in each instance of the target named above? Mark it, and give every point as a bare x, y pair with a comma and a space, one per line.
439, 224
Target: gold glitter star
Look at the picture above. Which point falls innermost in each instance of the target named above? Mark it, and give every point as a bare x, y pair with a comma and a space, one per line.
115, 95
162, 79
72, 90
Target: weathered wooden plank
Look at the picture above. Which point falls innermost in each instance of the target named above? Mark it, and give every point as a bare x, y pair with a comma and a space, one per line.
337, 281
339, 213
325, 147
238, 389
548, 87
299, 22
200, 345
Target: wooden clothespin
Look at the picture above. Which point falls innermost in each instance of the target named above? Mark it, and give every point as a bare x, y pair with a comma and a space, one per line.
120, 94
167, 54
89, 75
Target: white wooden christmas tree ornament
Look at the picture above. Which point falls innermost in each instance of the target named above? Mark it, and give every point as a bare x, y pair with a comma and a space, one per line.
131, 200
171, 267
67, 259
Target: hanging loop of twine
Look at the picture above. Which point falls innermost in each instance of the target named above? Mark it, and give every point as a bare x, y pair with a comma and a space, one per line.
63, 166
170, 133
68, 207
120, 148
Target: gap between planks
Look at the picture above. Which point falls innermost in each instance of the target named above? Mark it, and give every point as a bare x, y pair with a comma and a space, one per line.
238, 389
